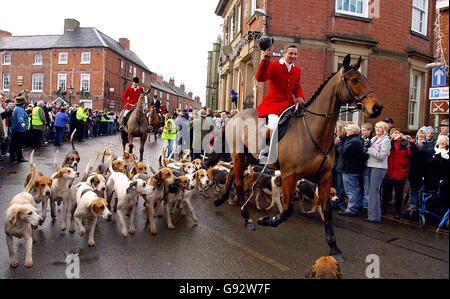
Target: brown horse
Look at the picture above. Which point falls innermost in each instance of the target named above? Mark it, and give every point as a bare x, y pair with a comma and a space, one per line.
306, 148
137, 126
153, 120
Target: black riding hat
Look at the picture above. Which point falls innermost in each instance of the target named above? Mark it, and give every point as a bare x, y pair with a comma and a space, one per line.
265, 42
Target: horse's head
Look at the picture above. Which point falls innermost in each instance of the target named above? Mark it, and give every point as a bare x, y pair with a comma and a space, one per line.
357, 89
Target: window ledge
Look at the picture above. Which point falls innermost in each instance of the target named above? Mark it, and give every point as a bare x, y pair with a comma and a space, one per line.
252, 18
419, 34
342, 15
85, 63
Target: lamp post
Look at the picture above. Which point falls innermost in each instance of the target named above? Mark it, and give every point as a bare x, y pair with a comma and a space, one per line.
70, 95
262, 12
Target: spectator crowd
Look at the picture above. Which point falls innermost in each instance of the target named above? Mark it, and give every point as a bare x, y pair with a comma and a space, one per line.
371, 163
37, 125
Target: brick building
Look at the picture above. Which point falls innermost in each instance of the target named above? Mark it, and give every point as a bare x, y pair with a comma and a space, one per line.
394, 39
172, 96
82, 64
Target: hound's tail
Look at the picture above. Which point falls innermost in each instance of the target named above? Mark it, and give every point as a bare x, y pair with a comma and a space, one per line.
88, 169
162, 156
71, 138
54, 162
104, 153
33, 174
110, 165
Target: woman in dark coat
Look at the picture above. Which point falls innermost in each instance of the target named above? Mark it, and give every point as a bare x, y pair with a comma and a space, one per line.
19, 127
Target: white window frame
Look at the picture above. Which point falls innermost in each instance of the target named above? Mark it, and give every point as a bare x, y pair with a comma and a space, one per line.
83, 56
239, 16
253, 7
6, 81
143, 77
61, 55
37, 82
6, 61
340, 4
62, 78
161, 94
168, 97
422, 11
85, 77
415, 91
232, 29
36, 60
156, 92
134, 72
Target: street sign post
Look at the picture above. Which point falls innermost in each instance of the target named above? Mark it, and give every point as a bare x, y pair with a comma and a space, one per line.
439, 107
439, 76
439, 93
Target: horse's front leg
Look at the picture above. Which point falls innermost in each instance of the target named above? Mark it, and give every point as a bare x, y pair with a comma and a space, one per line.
141, 148
325, 206
288, 192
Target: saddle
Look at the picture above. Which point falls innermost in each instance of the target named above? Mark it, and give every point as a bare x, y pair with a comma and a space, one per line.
283, 124
125, 119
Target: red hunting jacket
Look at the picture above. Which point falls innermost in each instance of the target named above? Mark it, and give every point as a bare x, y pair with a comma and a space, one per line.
131, 96
283, 85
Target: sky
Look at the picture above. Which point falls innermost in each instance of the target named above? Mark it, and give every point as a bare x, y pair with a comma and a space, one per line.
172, 37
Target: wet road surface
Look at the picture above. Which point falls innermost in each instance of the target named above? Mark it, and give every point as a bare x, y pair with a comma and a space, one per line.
219, 246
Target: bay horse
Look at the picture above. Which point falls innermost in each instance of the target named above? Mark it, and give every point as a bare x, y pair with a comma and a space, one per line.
153, 121
137, 126
306, 150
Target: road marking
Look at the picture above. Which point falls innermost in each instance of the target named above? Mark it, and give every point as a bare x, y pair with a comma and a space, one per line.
248, 250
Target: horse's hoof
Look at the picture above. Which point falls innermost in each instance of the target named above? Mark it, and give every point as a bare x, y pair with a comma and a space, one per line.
268, 221
338, 257
250, 226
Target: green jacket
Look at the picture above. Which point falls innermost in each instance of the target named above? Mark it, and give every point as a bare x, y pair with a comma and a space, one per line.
81, 115
170, 130
39, 120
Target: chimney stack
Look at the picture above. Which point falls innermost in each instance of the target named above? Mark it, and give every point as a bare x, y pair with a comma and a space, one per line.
182, 86
160, 79
5, 33
125, 42
172, 81
71, 25
190, 94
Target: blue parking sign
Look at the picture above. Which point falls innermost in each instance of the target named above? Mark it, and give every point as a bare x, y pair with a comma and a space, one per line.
438, 75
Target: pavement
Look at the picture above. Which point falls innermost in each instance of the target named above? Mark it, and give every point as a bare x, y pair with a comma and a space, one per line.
219, 246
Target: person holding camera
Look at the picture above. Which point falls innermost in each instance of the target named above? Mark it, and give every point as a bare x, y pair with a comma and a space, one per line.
397, 172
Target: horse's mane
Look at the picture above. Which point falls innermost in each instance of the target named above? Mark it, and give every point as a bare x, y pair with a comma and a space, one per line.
319, 90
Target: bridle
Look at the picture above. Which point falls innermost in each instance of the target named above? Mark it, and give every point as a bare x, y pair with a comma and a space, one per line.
359, 107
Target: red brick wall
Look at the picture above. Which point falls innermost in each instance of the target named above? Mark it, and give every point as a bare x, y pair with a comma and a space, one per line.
389, 76
103, 68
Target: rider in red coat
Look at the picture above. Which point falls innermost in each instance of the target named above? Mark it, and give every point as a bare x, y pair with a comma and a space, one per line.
284, 86
130, 97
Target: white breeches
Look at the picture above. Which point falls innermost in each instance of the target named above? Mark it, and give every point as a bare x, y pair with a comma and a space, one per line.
272, 121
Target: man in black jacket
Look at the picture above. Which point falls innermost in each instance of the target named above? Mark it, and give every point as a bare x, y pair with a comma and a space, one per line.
156, 103
354, 161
